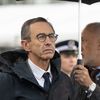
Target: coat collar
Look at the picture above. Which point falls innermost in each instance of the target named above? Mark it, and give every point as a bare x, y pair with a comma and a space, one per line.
23, 71
17, 62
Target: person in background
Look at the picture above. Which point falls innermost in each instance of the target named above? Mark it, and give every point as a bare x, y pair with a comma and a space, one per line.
68, 50
33, 73
88, 73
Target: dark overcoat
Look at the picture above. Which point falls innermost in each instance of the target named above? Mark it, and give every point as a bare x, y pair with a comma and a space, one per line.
18, 83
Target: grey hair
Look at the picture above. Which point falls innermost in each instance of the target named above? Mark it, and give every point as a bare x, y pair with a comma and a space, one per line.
25, 30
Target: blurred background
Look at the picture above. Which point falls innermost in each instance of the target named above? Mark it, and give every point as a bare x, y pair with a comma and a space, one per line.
63, 15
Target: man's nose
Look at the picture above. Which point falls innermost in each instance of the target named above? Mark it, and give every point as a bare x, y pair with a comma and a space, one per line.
48, 40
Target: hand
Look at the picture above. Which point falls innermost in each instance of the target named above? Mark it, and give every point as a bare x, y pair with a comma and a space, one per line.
82, 76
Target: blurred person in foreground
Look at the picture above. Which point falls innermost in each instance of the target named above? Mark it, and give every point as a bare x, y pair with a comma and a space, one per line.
88, 74
34, 73
68, 50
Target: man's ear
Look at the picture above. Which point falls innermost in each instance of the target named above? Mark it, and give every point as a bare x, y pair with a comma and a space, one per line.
25, 45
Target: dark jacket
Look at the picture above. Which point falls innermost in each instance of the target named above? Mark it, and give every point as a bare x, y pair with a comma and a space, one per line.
18, 83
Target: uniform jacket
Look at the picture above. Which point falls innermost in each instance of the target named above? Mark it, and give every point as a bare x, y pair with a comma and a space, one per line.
18, 83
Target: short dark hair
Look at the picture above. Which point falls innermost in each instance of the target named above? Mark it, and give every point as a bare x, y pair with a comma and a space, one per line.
25, 30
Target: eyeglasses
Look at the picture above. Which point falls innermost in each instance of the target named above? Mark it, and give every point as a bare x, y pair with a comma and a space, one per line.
42, 37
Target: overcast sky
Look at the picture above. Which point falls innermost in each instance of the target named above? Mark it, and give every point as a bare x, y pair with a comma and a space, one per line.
64, 18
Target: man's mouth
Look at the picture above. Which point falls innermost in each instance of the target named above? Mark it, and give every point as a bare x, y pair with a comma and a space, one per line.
48, 51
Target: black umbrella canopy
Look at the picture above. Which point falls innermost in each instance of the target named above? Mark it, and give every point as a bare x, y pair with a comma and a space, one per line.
84, 1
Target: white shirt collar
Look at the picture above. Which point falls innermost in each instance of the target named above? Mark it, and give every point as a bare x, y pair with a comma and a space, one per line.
37, 71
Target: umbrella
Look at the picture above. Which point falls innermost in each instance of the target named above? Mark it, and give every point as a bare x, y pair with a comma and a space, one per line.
84, 1
79, 23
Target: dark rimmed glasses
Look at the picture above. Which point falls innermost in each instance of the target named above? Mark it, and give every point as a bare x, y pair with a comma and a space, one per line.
42, 37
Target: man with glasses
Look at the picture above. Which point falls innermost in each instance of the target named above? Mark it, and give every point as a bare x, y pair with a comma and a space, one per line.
34, 73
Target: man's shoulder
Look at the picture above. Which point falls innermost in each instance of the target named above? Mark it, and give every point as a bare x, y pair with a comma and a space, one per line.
5, 76
5, 79
6, 86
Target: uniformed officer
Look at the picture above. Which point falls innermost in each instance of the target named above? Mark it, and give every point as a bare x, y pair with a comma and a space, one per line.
68, 50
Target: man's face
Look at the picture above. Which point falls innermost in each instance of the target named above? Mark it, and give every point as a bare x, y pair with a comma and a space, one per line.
90, 48
40, 50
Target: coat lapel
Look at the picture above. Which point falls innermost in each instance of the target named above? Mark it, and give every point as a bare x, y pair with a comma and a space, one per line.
23, 71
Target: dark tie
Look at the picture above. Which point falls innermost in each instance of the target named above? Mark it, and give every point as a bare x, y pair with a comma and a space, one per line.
47, 81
